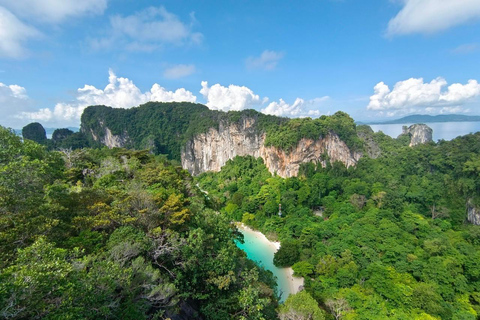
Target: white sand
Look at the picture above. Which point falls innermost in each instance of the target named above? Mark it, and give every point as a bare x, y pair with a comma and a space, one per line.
294, 282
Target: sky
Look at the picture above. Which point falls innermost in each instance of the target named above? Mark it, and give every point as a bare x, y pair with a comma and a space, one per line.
374, 59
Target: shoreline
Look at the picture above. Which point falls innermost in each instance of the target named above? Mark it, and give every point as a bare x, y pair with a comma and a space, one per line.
294, 282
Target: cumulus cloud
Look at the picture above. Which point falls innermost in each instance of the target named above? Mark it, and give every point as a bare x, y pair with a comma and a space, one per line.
179, 71
13, 35
268, 60
54, 11
119, 93
12, 98
299, 108
147, 30
238, 98
229, 98
430, 16
414, 95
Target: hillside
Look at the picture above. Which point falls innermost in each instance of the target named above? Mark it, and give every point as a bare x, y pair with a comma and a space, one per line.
203, 139
386, 239
117, 234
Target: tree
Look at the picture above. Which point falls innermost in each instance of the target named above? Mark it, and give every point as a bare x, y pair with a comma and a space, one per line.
287, 255
302, 269
300, 306
338, 307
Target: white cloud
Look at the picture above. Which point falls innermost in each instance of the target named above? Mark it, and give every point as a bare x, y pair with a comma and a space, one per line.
229, 98
240, 97
430, 16
54, 11
268, 60
13, 98
414, 95
13, 34
147, 30
179, 71
299, 108
119, 93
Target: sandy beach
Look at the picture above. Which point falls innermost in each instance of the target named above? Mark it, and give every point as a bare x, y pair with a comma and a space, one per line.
295, 283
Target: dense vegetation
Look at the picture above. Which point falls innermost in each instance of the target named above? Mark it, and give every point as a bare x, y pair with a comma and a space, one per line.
117, 234
164, 128
61, 138
98, 233
387, 239
288, 134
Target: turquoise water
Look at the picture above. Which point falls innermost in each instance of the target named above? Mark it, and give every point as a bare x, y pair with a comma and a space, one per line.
260, 251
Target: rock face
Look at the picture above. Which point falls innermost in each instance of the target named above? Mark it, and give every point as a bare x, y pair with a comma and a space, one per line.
287, 164
210, 151
473, 213
110, 140
419, 133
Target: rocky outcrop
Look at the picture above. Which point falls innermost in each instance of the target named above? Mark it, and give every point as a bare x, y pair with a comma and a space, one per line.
110, 140
371, 148
473, 213
329, 148
419, 134
210, 151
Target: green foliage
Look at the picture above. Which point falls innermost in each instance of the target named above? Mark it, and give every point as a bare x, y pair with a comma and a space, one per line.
301, 306
35, 132
287, 135
99, 233
287, 255
386, 239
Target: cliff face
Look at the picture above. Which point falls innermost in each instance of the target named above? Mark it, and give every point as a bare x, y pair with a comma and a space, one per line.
210, 151
110, 140
473, 213
419, 133
287, 164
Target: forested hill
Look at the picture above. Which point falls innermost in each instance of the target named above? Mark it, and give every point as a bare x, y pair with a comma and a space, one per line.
165, 127
162, 127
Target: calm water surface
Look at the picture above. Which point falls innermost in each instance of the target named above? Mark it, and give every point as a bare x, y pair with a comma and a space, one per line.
441, 130
262, 253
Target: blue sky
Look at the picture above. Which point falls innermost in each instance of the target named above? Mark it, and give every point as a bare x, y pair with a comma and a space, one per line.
374, 59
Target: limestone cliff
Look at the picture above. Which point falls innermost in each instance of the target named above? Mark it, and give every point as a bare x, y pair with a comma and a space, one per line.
419, 133
210, 151
108, 139
473, 213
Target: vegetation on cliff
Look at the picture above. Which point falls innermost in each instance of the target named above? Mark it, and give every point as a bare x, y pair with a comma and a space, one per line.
386, 239
165, 127
116, 234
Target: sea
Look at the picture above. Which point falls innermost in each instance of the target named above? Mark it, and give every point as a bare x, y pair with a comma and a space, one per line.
441, 130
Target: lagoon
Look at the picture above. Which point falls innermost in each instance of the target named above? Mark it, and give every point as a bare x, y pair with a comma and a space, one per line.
261, 251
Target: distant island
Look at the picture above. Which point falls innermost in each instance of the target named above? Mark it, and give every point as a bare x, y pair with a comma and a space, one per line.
48, 131
423, 118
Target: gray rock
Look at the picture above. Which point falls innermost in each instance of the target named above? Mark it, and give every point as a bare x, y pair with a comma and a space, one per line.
419, 134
